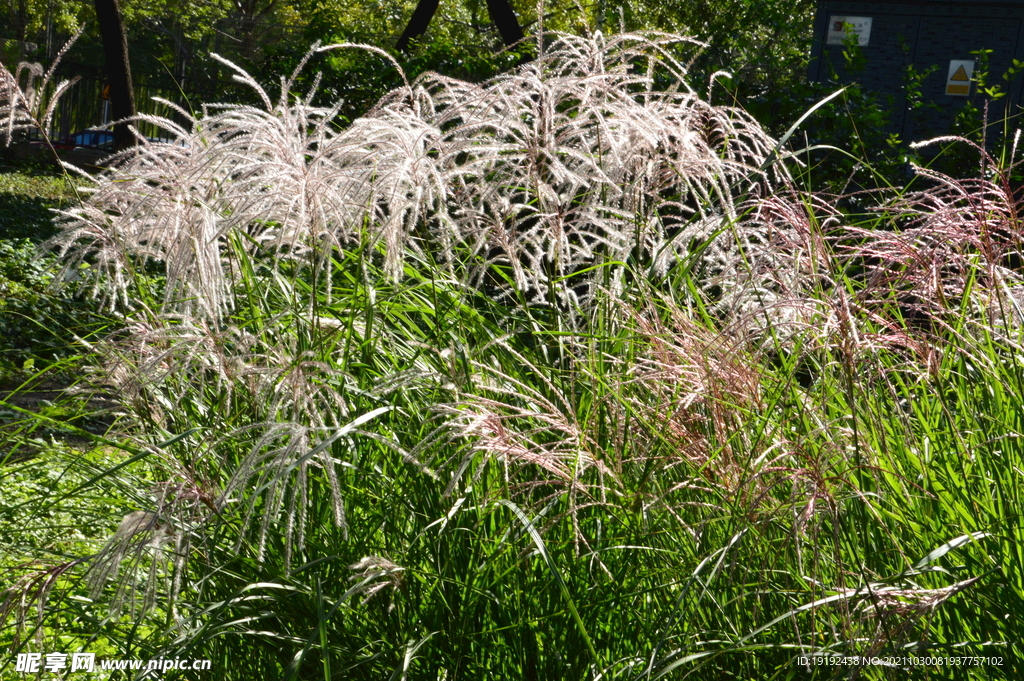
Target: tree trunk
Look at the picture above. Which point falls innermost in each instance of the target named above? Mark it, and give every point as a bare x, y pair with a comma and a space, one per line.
500, 11
504, 17
421, 17
119, 74
20, 22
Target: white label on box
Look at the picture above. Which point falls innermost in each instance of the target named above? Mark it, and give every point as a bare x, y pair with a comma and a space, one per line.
841, 26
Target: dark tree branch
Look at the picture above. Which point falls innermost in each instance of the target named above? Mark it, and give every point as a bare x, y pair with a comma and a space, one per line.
421, 17
504, 17
119, 73
500, 11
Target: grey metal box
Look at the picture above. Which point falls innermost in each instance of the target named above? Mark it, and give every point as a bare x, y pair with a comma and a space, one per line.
924, 33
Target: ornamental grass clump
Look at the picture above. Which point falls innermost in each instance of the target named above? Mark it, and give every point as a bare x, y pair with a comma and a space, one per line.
951, 250
537, 188
532, 185
262, 224
29, 96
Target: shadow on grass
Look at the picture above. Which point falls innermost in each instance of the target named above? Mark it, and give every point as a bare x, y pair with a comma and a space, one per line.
39, 358
26, 217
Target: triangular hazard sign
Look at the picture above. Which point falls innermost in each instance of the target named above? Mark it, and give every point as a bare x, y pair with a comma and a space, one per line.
961, 74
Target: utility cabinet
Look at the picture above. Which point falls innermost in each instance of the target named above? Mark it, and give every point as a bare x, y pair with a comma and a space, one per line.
935, 35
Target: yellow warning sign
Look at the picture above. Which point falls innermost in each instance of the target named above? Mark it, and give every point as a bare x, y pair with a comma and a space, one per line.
958, 78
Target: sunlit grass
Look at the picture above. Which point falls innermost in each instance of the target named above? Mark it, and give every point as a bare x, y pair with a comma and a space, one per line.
364, 437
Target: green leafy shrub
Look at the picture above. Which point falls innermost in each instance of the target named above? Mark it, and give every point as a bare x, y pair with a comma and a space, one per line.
35, 322
35, 319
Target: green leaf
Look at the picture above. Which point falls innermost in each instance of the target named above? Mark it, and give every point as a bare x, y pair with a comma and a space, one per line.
949, 546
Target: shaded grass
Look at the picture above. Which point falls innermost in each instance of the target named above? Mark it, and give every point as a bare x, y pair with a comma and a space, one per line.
28, 193
39, 360
36, 321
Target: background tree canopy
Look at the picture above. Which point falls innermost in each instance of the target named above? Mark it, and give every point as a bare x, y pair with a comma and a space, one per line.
763, 44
